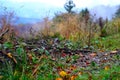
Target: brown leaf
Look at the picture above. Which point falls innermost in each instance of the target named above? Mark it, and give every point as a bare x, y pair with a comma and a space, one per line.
73, 67
30, 56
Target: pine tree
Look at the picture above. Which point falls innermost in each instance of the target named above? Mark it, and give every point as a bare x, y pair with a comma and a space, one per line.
117, 14
69, 5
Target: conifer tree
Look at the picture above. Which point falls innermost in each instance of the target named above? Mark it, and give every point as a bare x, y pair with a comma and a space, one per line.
69, 5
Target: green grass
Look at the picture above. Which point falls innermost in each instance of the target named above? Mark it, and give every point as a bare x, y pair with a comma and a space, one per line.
111, 42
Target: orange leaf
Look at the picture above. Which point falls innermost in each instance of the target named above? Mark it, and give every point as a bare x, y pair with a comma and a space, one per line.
58, 79
73, 77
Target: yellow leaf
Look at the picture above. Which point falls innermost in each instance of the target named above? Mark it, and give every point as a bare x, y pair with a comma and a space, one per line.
58, 79
62, 73
107, 68
9, 55
80, 73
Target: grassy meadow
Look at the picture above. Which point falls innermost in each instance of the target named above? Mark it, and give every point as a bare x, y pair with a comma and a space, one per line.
71, 46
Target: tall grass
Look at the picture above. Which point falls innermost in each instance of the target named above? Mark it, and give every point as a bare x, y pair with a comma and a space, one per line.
74, 27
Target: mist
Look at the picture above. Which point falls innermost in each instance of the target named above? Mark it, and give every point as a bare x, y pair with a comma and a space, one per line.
104, 11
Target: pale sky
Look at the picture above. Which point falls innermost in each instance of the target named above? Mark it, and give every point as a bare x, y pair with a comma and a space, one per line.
34, 8
79, 3
60, 3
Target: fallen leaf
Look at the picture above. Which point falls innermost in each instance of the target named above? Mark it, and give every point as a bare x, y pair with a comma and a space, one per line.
103, 61
113, 52
68, 60
69, 72
53, 59
107, 67
9, 55
106, 54
93, 54
30, 56
58, 79
62, 73
101, 50
73, 77
73, 67
81, 55
80, 73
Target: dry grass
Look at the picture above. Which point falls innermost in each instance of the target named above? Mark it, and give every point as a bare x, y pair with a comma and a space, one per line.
74, 27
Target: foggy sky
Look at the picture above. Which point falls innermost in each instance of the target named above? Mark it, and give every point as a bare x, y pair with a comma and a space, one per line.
42, 8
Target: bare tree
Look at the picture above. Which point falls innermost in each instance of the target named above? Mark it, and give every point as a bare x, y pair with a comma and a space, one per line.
7, 18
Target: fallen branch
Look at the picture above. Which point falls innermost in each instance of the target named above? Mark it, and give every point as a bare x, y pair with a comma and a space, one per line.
37, 67
3, 33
